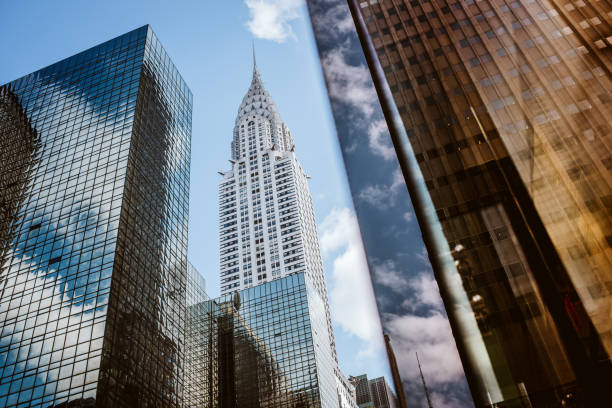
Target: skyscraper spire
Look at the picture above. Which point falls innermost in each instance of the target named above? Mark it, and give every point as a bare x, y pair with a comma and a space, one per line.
254, 59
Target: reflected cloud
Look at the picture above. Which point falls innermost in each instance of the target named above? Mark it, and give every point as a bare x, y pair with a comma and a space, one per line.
351, 297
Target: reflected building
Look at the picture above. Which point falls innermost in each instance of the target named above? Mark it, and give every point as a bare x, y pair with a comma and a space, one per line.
363, 394
94, 173
374, 393
382, 394
265, 346
503, 107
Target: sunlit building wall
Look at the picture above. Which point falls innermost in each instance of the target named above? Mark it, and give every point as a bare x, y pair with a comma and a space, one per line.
95, 179
505, 105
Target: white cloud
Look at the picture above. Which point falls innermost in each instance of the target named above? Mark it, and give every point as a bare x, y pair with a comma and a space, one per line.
444, 400
338, 230
431, 337
425, 290
351, 296
376, 195
427, 333
386, 274
380, 140
426, 293
408, 216
397, 180
334, 21
423, 256
383, 196
271, 19
349, 84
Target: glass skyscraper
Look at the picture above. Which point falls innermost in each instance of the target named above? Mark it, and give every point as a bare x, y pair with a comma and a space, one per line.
94, 172
265, 346
499, 114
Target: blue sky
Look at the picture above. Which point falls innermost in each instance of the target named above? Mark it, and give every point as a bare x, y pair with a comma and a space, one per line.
210, 43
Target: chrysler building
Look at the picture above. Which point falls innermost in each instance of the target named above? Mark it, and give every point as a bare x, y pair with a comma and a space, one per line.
266, 220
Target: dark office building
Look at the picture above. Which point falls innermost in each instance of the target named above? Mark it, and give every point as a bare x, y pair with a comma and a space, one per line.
94, 172
267, 348
374, 393
363, 394
504, 110
382, 394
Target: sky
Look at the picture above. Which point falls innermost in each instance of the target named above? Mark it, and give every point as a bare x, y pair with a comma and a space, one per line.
211, 45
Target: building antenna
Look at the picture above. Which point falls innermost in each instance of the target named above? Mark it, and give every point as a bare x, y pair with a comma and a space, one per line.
254, 59
423, 380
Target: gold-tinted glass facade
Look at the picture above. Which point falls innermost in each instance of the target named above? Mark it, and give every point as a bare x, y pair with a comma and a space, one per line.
95, 178
506, 105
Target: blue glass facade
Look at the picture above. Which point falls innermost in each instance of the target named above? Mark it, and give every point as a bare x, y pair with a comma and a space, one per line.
266, 346
94, 168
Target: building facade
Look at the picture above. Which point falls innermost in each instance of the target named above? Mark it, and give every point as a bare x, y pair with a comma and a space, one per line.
201, 351
504, 108
95, 178
346, 391
382, 395
374, 393
267, 225
264, 346
268, 229
363, 394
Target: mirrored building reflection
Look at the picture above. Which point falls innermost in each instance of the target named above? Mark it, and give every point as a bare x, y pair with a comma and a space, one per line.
94, 171
265, 346
374, 393
503, 108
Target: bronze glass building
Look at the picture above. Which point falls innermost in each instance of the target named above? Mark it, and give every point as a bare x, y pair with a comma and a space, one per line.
504, 109
94, 171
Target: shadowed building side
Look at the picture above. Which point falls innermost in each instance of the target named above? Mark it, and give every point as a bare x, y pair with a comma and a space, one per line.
18, 147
